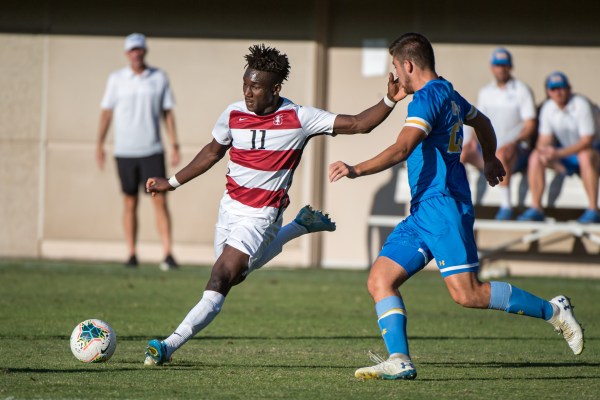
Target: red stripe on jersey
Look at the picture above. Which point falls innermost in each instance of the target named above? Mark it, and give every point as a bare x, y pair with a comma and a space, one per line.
255, 197
266, 160
285, 119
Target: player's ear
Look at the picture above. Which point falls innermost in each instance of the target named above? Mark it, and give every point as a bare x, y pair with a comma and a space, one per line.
276, 89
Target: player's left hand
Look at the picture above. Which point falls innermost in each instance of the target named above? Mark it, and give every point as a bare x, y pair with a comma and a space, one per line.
158, 185
339, 169
494, 171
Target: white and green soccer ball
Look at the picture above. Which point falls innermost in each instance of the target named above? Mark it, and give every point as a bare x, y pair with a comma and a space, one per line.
93, 341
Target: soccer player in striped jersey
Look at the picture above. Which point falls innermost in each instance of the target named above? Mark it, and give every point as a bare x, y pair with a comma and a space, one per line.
265, 135
440, 224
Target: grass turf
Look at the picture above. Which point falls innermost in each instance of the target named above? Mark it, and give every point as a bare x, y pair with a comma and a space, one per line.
282, 334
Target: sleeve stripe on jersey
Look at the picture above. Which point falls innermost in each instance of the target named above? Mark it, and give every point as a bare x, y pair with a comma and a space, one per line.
472, 113
420, 123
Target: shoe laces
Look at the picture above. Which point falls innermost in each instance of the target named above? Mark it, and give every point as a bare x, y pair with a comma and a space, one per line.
376, 358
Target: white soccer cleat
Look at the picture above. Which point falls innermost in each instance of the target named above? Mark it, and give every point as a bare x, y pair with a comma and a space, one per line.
314, 220
564, 323
395, 367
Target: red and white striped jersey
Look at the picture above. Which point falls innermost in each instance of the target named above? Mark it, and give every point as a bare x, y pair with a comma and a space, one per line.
266, 149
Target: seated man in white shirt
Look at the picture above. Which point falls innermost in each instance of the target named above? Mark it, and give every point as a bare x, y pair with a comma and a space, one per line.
509, 104
569, 143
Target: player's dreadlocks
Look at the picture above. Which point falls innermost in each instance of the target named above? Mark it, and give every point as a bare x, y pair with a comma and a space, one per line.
268, 59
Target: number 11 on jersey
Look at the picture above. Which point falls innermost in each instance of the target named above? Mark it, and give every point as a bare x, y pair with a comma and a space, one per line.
263, 133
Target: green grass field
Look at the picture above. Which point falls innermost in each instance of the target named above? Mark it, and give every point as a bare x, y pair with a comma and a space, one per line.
283, 334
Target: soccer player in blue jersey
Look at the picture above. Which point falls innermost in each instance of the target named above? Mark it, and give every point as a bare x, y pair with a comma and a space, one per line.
440, 224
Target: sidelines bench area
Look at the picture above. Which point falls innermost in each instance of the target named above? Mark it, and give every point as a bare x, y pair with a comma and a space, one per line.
564, 197
530, 231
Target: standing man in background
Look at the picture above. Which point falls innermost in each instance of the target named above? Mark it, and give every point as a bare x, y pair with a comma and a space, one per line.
509, 104
136, 97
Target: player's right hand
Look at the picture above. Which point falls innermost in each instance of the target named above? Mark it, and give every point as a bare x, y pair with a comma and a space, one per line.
158, 185
494, 171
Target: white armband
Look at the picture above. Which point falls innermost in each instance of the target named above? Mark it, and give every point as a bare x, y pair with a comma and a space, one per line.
174, 182
388, 102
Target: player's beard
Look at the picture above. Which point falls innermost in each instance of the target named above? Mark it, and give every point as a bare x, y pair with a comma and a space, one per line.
407, 86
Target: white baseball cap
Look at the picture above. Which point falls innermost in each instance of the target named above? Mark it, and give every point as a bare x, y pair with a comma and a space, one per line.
135, 41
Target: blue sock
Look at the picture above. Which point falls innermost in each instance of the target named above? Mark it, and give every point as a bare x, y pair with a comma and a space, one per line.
513, 300
391, 317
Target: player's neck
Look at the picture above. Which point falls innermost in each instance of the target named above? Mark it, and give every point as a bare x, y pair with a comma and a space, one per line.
272, 108
423, 78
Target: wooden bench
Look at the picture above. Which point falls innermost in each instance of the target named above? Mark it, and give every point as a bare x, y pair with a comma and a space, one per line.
562, 209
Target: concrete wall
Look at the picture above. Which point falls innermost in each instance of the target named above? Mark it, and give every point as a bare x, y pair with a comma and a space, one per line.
55, 57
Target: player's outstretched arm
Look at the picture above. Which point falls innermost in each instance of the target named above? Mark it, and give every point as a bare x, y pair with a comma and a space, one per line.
492, 167
370, 118
202, 162
408, 139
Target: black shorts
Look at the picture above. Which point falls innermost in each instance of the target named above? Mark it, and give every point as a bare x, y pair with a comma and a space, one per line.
135, 171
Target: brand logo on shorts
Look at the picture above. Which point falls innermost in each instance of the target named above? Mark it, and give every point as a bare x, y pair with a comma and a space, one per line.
442, 263
278, 120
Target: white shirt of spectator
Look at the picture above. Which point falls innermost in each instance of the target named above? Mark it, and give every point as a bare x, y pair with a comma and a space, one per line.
507, 108
571, 123
137, 102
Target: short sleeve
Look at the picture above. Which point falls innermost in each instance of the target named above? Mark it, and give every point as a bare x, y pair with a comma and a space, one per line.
545, 125
221, 132
314, 120
527, 104
109, 100
421, 114
585, 119
467, 110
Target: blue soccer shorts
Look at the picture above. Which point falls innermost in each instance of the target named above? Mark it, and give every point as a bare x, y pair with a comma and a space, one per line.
440, 228
571, 163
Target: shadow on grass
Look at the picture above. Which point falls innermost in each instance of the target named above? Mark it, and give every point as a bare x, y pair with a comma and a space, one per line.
134, 338
62, 371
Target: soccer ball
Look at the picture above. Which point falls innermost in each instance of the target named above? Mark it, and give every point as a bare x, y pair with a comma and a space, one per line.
93, 341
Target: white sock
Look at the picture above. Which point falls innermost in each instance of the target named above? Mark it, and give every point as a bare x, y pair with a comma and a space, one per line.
504, 196
197, 319
287, 233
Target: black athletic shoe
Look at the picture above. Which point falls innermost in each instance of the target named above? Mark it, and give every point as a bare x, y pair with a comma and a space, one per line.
168, 264
132, 262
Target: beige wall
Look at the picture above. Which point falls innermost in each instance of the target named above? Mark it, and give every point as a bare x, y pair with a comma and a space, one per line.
54, 202
21, 134
81, 207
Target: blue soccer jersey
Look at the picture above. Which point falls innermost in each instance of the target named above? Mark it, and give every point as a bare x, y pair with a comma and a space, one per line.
440, 223
434, 167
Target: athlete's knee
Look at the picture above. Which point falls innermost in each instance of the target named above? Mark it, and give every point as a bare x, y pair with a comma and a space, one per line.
377, 283
224, 276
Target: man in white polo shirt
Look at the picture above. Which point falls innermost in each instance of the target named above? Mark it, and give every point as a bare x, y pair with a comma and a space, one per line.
569, 143
135, 99
509, 104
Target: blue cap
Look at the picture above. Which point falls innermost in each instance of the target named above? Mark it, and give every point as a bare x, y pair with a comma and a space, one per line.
557, 80
501, 56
